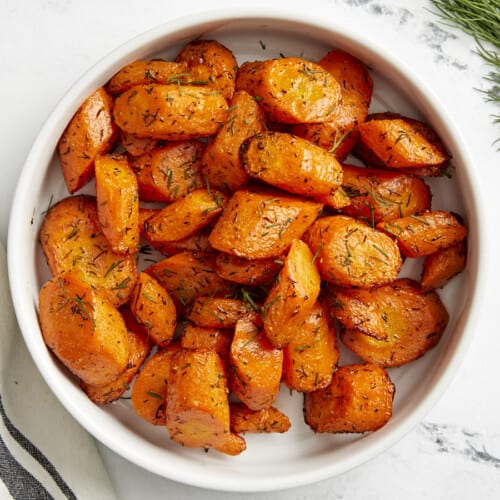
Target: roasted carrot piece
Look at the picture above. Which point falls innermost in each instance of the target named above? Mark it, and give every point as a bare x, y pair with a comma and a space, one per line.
339, 135
152, 306
348, 252
140, 346
399, 142
291, 163
292, 296
197, 409
309, 359
144, 72
216, 312
73, 242
221, 162
149, 390
187, 275
117, 202
415, 321
247, 272
424, 233
185, 216
359, 399
202, 337
169, 112
267, 420
255, 365
439, 267
291, 89
90, 132
380, 195
84, 330
137, 146
213, 62
257, 225
169, 172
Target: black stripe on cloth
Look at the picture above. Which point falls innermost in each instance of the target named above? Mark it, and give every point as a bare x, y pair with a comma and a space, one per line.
20, 483
36, 454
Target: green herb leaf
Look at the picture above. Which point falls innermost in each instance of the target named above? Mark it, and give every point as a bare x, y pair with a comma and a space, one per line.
480, 19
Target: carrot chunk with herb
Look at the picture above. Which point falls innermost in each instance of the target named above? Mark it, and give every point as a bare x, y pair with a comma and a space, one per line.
267, 420
73, 242
154, 308
169, 112
150, 386
117, 202
309, 359
255, 365
221, 162
425, 233
350, 253
439, 267
90, 132
359, 399
291, 89
257, 225
291, 163
197, 409
409, 322
84, 330
292, 296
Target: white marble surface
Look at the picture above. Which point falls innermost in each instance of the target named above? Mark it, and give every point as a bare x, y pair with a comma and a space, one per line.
45, 45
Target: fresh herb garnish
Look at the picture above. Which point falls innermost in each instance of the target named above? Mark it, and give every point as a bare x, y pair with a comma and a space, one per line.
480, 19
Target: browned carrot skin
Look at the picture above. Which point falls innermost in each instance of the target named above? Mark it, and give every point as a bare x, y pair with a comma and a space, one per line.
212, 64
291, 163
221, 162
255, 365
90, 132
350, 253
260, 225
377, 195
339, 134
145, 72
169, 112
291, 90
270, 419
84, 330
441, 266
73, 242
425, 233
415, 321
359, 399
197, 408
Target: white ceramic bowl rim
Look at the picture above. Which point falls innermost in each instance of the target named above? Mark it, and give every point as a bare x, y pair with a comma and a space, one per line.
20, 253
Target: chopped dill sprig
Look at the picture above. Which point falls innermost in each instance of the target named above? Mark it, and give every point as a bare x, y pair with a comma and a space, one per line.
481, 20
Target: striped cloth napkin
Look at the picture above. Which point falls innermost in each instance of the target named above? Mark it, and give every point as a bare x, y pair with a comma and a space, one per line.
44, 452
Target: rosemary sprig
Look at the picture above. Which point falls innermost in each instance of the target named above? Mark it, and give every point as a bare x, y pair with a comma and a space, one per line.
480, 19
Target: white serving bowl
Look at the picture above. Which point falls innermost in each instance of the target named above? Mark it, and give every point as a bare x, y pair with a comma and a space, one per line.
271, 461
